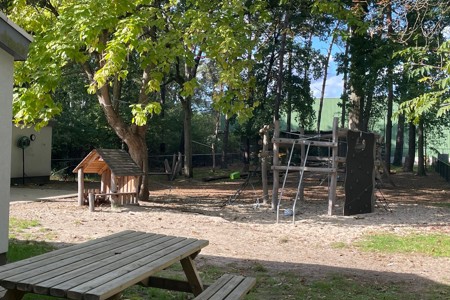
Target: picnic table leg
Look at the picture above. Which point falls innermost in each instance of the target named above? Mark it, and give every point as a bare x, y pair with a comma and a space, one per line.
192, 275
13, 295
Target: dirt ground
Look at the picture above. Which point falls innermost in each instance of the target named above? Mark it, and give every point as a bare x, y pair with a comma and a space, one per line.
242, 230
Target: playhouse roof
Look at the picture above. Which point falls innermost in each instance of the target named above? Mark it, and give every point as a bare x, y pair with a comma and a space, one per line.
117, 160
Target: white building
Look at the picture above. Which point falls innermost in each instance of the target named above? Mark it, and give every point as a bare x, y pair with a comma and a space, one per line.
31, 155
14, 42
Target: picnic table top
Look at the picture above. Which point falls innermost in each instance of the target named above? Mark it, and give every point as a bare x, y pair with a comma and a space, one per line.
100, 268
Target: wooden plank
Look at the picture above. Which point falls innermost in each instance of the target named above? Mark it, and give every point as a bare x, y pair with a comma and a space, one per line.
242, 289
40, 260
108, 266
42, 283
306, 169
215, 287
227, 288
285, 141
24, 277
139, 270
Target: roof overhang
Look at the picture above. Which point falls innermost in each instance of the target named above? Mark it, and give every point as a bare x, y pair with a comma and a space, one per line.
13, 39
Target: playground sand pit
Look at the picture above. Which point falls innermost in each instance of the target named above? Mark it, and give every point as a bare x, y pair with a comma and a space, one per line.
243, 232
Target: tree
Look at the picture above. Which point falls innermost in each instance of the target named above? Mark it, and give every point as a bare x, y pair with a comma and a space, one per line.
105, 37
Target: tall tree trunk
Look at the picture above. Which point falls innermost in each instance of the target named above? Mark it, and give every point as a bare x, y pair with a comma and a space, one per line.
409, 162
398, 153
187, 127
390, 98
226, 134
276, 115
344, 96
134, 136
289, 94
421, 171
324, 80
358, 68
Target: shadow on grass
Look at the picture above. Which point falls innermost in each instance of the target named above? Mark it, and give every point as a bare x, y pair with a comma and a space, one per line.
280, 280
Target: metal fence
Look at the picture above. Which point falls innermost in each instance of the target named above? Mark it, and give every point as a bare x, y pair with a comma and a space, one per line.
64, 167
442, 167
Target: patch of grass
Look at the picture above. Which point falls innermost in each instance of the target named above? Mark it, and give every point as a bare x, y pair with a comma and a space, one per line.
289, 285
18, 250
19, 225
429, 244
339, 245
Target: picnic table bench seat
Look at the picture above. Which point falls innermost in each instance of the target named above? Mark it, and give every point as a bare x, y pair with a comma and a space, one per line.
229, 287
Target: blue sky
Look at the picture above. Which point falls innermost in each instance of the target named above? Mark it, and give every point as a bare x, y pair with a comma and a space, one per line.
333, 87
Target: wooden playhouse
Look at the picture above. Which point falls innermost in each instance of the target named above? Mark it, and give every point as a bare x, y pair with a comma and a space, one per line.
119, 176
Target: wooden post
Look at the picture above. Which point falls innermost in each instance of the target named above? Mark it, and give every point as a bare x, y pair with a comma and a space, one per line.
113, 199
80, 187
91, 202
303, 157
333, 177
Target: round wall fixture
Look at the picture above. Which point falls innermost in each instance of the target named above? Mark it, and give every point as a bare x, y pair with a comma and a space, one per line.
32, 137
23, 142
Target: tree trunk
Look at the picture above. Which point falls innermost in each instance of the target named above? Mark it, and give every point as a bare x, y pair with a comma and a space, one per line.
324, 81
226, 134
187, 128
344, 96
134, 136
289, 95
409, 162
390, 98
421, 171
278, 100
398, 153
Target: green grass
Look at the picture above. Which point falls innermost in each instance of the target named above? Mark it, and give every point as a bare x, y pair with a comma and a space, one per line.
290, 285
19, 226
270, 284
428, 244
18, 250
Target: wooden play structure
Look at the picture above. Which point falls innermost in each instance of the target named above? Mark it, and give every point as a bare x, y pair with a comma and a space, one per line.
119, 177
350, 153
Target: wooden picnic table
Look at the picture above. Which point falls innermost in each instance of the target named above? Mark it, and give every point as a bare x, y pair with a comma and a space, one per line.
104, 267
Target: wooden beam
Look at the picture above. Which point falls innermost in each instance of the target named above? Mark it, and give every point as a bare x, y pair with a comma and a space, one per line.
192, 275
285, 141
306, 169
167, 284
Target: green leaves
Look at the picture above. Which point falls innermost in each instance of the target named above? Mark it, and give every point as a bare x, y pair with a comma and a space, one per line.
142, 112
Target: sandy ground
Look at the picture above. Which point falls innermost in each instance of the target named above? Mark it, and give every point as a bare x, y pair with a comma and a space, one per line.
245, 232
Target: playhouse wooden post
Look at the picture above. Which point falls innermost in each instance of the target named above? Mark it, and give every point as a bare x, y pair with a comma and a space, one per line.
80, 187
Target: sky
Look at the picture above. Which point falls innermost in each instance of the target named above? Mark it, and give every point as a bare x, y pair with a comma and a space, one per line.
333, 88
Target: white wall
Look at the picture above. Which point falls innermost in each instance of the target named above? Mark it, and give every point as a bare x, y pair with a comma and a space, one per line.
6, 86
37, 156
